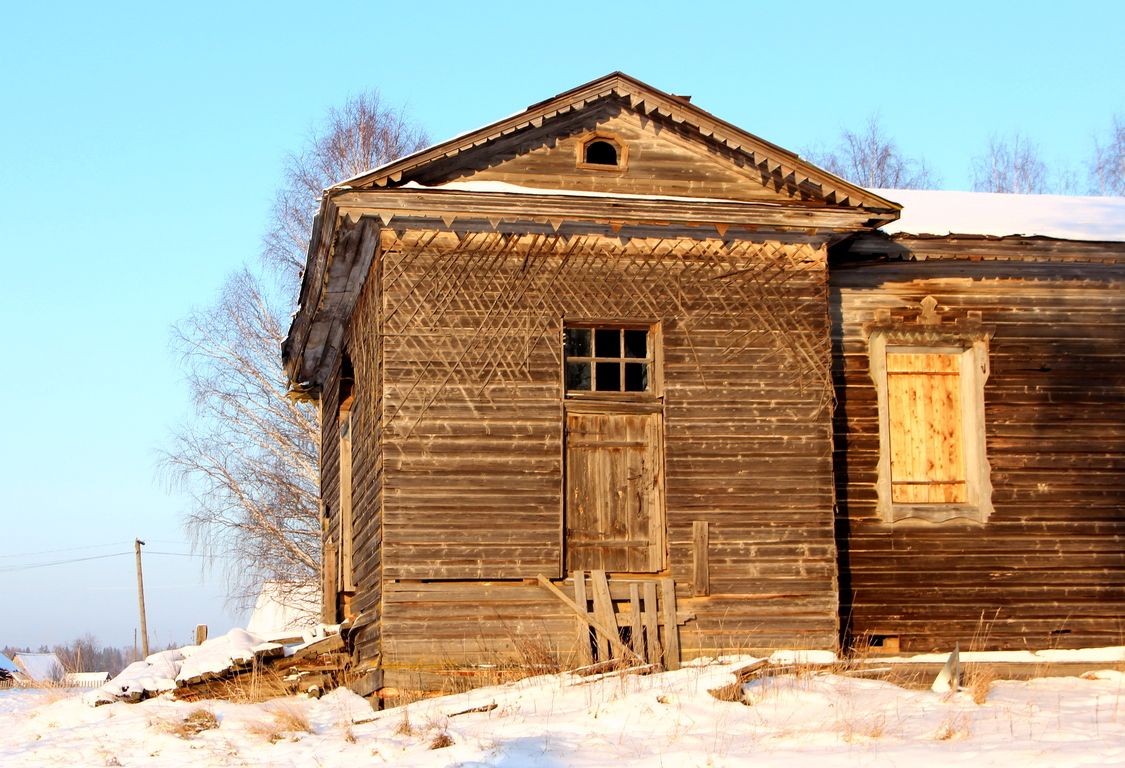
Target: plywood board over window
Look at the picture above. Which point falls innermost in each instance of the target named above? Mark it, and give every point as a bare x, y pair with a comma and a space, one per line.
932, 464
926, 431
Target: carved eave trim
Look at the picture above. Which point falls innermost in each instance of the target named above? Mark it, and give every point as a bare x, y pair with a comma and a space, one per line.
330, 288
547, 208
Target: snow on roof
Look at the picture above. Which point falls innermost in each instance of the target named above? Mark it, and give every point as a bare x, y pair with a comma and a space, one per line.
7, 665
284, 610
516, 189
40, 666
940, 213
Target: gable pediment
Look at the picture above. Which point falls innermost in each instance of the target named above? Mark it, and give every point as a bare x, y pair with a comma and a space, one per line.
673, 149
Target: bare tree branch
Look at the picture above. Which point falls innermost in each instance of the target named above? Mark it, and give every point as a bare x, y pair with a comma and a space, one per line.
1010, 165
871, 159
1107, 167
250, 459
363, 134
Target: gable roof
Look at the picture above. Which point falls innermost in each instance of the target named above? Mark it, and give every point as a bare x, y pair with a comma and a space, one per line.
436, 187
774, 161
40, 666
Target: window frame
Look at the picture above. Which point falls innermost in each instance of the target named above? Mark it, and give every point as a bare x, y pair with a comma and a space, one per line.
653, 358
972, 349
609, 138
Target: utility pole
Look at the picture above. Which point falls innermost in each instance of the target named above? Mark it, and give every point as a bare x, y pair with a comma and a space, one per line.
141, 600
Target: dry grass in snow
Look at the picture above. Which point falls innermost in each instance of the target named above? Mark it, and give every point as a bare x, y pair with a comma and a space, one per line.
560, 720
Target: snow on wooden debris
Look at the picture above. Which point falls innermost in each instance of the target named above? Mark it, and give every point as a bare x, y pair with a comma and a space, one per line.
222, 657
941, 213
218, 655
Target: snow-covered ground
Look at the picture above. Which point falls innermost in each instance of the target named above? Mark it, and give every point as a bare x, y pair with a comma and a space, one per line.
668, 720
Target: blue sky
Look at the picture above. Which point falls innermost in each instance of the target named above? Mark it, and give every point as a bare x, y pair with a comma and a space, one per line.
140, 145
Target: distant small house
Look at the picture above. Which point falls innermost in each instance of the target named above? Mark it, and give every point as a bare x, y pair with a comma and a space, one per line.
85, 679
8, 669
40, 667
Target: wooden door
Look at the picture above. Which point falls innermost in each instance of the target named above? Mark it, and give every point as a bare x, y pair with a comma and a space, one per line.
614, 492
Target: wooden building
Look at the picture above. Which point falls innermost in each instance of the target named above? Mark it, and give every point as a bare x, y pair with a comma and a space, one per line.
986, 334
575, 373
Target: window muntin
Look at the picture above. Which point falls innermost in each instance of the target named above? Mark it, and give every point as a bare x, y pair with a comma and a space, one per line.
609, 359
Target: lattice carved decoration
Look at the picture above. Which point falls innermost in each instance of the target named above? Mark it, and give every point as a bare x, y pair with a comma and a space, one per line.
476, 307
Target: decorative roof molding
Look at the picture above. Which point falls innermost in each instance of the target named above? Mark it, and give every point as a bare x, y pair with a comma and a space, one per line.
645, 99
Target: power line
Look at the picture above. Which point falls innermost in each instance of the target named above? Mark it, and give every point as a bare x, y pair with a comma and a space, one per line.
67, 549
26, 567
11, 568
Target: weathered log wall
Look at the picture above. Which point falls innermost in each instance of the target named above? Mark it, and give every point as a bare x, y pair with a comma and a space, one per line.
468, 487
1047, 569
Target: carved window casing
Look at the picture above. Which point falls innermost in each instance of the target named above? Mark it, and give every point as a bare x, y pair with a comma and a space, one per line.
602, 152
929, 378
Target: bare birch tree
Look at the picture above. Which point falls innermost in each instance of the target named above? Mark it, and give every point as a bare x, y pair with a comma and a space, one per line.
363, 134
1010, 165
1107, 167
871, 159
249, 459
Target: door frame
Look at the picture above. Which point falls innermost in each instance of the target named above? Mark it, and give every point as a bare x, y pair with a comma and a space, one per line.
614, 408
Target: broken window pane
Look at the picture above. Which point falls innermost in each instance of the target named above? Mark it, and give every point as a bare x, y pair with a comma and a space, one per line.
578, 342
636, 377
578, 376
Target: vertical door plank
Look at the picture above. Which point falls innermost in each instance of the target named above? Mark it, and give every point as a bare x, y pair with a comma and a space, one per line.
603, 612
651, 620
671, 627
585, 650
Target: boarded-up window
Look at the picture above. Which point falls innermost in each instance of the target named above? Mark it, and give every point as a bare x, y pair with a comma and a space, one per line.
930, 388
926, 428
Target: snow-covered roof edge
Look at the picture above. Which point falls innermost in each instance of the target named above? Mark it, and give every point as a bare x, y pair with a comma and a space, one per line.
508, 188
989, 214
40, 666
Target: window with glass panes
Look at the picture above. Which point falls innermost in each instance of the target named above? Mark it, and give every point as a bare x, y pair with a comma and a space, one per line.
609, 359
